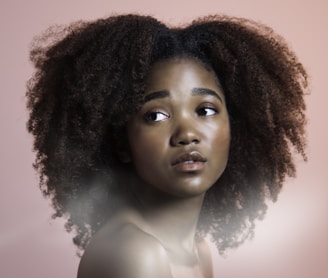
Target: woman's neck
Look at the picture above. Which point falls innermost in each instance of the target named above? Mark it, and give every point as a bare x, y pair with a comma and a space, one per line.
172, 220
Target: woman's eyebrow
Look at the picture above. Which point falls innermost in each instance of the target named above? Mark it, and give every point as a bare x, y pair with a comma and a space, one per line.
156, 95
195, 91
205, 91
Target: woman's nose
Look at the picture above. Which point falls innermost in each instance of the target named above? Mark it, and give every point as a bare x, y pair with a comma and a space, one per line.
184, 133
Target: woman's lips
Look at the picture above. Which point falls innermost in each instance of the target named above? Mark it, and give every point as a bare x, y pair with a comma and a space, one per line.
189, 162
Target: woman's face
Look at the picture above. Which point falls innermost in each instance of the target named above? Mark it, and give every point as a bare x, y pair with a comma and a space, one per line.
179, 139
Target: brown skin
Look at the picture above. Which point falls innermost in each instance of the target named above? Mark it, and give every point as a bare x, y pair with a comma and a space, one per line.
179, 145
185, 114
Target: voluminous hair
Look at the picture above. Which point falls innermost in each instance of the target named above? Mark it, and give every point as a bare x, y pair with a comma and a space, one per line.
90, 78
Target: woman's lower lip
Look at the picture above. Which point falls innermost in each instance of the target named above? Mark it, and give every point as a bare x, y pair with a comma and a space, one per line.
189, 166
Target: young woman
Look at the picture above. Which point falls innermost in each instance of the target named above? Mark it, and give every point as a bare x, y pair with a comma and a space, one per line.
149, 138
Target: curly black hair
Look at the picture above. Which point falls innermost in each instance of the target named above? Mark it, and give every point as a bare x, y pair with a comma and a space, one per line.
90, 78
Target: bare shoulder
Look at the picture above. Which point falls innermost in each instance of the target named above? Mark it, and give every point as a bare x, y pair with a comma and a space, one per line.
126, 253
205, 258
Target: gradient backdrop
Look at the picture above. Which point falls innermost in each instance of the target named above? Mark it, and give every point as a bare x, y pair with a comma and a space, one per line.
292, 241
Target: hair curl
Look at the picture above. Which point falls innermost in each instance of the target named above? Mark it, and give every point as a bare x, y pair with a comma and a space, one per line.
90, 77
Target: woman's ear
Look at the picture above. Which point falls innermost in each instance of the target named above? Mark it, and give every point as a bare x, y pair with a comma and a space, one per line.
122, 147
122, 151
124, 156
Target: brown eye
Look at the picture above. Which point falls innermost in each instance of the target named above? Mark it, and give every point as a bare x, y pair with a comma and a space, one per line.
155, 116
206, 111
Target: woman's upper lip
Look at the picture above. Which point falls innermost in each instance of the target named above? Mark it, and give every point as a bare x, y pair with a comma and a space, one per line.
193, 156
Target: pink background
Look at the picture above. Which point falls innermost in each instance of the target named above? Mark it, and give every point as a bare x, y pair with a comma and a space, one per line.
292, 241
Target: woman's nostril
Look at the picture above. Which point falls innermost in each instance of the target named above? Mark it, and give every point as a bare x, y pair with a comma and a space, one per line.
181, 138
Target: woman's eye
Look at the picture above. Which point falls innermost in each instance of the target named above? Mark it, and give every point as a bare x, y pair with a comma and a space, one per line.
155, 116
207, 111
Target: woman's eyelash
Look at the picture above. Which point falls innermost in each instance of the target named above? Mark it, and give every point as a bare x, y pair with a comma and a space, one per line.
207, 111
155, 116
158, 116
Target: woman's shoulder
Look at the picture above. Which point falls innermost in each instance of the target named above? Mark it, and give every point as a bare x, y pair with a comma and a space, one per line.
124, 251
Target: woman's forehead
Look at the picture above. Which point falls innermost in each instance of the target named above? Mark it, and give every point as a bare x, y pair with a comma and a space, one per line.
175, 70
